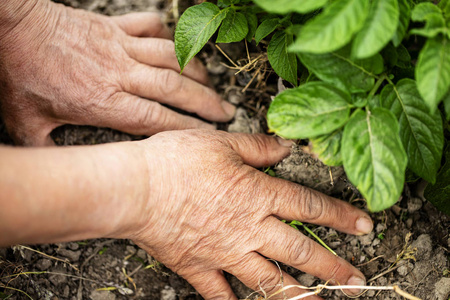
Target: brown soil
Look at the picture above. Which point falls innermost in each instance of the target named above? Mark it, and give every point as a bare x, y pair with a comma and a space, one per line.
409, 247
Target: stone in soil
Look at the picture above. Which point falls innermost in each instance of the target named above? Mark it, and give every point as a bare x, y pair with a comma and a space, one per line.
43, 264
73, 256
442, 289
102, 295
424, 246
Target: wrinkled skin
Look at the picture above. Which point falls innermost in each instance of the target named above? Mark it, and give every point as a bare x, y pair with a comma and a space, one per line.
64, 66
215, 212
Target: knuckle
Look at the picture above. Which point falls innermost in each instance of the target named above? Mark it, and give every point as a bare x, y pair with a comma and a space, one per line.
312, 205
267, 282
335, 269
170, 83
152, 115
300, 252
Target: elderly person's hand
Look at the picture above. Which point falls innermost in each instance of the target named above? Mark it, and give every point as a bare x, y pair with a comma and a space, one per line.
59, 65
212, 211
192, 199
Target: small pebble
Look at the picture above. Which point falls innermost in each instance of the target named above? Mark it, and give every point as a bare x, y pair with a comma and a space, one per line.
168, 293
409, 223
414, 204
380, 227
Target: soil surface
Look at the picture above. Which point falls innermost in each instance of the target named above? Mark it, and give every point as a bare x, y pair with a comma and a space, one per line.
410, 245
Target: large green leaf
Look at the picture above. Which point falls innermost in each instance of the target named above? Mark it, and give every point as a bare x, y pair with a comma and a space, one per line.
338, 69
405, 15
234, 28
422, 134
333, 28
328, 148
433, 71
378, 29
310, 110
284, 63
439, 193
287, 6
266, 28
374, 158
195, 27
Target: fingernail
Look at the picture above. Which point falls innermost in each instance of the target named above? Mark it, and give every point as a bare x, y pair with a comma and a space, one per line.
284, 143
229, 108
364, 225
355, 280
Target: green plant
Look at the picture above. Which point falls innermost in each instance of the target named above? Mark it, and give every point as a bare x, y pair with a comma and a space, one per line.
374, 80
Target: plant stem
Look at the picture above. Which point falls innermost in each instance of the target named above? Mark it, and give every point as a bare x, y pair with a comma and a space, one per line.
378, 84
293, 223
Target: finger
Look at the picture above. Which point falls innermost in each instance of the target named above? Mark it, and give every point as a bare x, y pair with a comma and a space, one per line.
143, 24
266, 278
288, 245
169, 87
139, 116
212, 285
295, 202
161, 53
258, 150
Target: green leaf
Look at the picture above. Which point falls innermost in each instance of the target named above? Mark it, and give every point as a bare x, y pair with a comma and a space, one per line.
390, 55
359, 100
433, 71
447, 106
266, 28
234, 28
328, 148
284, 63
252, 21
405, 15
223, 3
434, 26
378, 29
444, 5
424, 10
288, 6
333, 28
195, 27
404, 58
338, 69
374, 158
432, 15
439, 193
308, 111
422, 134
374, 101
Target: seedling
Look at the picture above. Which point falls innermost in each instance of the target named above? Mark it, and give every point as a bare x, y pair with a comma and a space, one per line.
296, 223
365, 100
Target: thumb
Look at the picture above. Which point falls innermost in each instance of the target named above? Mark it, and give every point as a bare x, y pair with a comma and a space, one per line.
259, 150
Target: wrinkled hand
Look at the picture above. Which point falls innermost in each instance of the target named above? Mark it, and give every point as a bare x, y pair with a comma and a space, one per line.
210, 211
60, 65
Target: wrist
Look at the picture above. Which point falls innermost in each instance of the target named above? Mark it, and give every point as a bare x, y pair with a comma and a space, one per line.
134, 183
